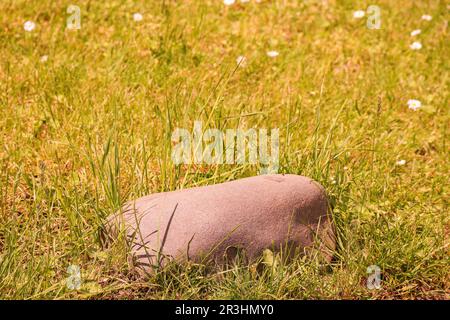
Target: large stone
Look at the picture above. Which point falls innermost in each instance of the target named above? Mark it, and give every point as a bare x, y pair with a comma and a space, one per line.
214, 222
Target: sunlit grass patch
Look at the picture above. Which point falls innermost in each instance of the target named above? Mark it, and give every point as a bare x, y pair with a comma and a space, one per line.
89, 127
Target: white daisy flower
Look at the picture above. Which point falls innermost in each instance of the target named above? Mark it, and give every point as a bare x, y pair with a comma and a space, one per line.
415, 32
241, 61
427, 17
43, 58
416, 45
414, 104
272, 53
358, 14
29, 26
401, 162
228, 2
137, 17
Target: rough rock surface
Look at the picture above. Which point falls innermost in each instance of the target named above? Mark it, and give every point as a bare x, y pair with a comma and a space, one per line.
216, 221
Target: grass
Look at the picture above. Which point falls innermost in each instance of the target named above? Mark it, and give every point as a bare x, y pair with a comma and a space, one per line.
90, 129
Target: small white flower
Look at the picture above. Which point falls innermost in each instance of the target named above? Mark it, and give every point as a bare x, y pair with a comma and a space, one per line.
228, 2
241, 61
401, 162
414, 104
272, 53
416, 45
29, 26
332, 180
358, 14
43, 58
415, 32
137, 17
427, 17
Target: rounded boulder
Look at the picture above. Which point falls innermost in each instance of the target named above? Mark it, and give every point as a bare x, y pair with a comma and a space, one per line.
213, 222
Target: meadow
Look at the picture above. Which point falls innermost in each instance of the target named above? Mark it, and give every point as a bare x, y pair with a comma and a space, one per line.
87, 115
